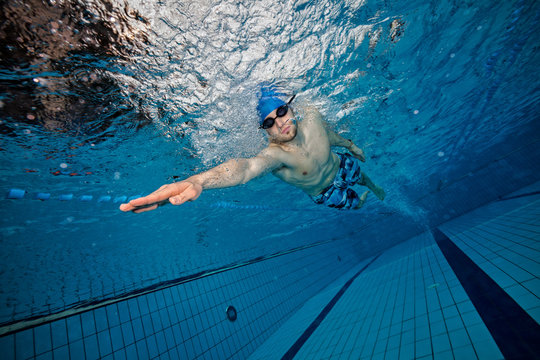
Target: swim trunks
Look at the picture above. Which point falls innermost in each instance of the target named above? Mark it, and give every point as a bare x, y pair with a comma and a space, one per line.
339, 195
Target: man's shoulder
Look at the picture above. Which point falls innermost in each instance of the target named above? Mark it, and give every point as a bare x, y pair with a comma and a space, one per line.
311, 111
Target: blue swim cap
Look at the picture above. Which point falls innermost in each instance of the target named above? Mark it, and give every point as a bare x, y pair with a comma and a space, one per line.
268, 102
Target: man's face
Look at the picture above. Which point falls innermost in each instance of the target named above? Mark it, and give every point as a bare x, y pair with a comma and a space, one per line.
284, 128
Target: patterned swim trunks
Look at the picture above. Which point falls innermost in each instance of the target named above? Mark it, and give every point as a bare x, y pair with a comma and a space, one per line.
339, 195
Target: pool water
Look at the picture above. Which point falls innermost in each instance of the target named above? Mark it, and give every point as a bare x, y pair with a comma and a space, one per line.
101, 102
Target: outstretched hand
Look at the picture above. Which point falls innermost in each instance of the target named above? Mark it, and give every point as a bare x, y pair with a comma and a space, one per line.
357, 152
176, 193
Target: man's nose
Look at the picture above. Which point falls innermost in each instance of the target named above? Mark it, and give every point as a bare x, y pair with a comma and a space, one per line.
281, 120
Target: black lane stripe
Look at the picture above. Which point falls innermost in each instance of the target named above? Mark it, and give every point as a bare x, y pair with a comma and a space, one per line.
516, 333
519, 196
315, 324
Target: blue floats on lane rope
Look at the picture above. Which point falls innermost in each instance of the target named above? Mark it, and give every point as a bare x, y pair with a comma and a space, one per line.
15, 194
43, 196
65, 197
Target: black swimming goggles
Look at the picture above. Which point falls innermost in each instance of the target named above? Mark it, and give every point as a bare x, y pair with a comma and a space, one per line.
280, 112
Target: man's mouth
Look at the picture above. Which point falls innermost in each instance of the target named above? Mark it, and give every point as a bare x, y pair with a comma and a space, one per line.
286, 129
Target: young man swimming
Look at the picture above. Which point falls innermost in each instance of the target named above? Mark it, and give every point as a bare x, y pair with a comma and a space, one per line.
299, 153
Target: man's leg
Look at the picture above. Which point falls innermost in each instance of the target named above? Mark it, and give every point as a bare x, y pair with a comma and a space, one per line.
377, 190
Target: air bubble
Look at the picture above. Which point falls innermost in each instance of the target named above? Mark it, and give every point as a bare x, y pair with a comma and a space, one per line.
479, 28
63, 165
440, 154
27, 132
452, 55
117, 175
30, 117
415, 112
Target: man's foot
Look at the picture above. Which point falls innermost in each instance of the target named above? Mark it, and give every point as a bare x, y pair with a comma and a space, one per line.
377, 190
363, 198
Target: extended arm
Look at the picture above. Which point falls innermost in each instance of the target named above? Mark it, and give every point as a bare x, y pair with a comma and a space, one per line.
231, 173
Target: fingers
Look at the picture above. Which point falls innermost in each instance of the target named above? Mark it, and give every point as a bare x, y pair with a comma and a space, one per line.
149, 208
176, 194
151, 201
189, 194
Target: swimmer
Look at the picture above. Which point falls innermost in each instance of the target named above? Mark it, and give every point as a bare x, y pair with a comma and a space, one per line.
299, 153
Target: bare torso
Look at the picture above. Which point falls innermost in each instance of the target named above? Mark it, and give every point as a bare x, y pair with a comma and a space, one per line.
309, 164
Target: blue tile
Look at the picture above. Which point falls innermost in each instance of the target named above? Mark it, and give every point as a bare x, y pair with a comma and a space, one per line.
160, 300
120, 355
173, 354
112, 315
142, 350
123, 311
7, 345
104, 341
131, 352
172, 315
440, 343
138, 330
450, 311
127, 333
190, 349
454, 323
435, 316
43, 337
169, 337
116, 338
59, 333
161, 342
45, 356
147, 325
152, 303
91, 347
465, 307
24, 344
422, 333
74, 328
407, 337
479, 333
143, 305
488, 350
406, 352
471, 318
100, 316
152, 346
88, 323
133, 308
164, 316
459, 338
464, 352
437, 328
177, 334
61, 353
76, 349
